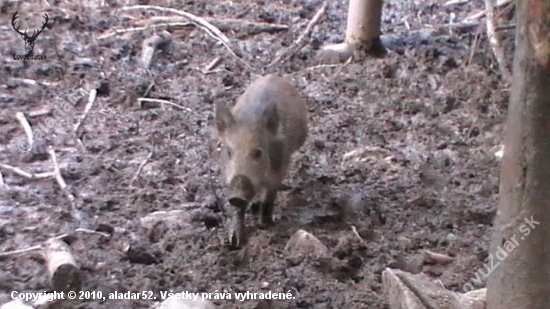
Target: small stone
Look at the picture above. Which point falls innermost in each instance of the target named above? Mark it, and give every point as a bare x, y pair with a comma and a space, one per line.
450, 238
174, 219
304, 244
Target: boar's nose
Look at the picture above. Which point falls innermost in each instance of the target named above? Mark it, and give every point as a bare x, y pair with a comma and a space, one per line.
241, 191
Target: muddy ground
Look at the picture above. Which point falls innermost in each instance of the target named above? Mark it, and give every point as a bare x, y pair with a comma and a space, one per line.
401, 149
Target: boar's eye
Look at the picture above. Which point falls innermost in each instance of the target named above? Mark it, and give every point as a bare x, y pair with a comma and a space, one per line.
228, 152
257, 154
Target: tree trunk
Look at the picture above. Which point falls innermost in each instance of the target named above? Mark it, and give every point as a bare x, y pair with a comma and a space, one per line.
364, 18
520, 247
362, 33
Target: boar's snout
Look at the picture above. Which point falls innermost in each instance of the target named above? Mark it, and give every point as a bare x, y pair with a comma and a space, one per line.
241, 191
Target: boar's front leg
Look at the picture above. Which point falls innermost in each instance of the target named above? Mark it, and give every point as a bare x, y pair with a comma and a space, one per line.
236, 227
266, 207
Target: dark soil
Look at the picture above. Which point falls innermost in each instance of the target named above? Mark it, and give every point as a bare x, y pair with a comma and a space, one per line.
401, 149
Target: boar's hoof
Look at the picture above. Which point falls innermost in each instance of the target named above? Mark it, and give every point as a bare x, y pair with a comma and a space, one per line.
241, 191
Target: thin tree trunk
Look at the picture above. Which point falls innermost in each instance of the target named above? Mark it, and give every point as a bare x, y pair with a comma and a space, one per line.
363, 28
520, 248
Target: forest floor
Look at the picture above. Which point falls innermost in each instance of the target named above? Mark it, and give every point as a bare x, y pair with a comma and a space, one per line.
400, 158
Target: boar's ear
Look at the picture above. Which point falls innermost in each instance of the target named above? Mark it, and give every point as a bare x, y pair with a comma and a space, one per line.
223, 118
271, 118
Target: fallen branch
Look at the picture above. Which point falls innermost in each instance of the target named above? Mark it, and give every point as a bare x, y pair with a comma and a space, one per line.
62, 267
201, 22
40, 112
41, 246
298, 44
58, 176
454, 2
26, 127
91, 99
495, 44
438, 257
229, 24
354, 230
160, 101
151, 44
482, 13
141, 167
212, 65
137, 29
225, 25
19, 251
63, 185
210, 68
25, 174
474, 46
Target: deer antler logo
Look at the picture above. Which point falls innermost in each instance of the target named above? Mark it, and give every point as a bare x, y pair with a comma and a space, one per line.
29, 40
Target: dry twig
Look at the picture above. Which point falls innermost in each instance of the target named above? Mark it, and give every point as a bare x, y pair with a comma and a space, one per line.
26, 126
474, 46
19, 251
212, 65
40, 112
57, 174
137, 29
25, 174
298, 44
160, 101
223, 24
454, 2
482, 13
438, 257
62, 236
354, 229
495, 44
227, 24
141, 167
201, 22
91, 99
63, 185
151, 44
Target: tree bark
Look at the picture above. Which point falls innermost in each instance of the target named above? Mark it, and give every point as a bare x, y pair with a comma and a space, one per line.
520, 247
364, 17
362, 33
